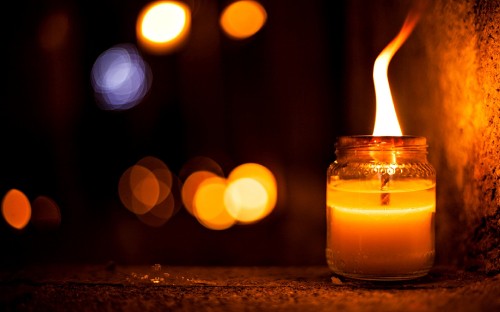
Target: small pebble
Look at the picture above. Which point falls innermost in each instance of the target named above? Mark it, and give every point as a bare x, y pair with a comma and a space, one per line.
155, 280
336, 280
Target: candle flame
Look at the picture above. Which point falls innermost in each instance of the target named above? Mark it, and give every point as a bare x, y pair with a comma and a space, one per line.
386, 120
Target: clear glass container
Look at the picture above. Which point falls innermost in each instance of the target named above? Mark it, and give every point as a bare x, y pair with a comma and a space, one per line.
380, 206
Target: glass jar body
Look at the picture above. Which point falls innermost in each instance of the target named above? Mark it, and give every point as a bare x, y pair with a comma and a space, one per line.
380, 208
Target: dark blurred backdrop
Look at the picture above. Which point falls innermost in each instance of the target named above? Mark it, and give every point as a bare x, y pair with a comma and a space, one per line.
279, 98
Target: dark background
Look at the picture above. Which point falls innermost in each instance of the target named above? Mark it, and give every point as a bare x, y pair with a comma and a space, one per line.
279, 98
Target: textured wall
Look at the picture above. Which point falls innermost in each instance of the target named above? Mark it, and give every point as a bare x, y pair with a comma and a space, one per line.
483, 198
454, 58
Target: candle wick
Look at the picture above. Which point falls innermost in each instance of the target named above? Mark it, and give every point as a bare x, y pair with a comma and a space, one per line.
385, 198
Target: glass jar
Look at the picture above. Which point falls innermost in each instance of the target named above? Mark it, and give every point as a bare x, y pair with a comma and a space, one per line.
380, 206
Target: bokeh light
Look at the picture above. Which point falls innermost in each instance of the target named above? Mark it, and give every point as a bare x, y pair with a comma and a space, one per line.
248, 195
245, 199
208, 204
166, 208
154, 194
162, 174
190, 187
138, 189
242, 19
147, 189
162, 26
120, 78
16, 209
159, 214
46, 214
145, 186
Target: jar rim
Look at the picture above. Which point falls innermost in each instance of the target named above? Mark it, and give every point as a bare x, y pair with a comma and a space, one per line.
380, 142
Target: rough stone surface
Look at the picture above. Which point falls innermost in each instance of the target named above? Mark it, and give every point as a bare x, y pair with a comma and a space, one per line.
487, 170
462, 45
133, 288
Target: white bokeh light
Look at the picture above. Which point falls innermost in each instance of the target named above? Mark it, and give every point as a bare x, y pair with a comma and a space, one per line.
164, 22
120, 78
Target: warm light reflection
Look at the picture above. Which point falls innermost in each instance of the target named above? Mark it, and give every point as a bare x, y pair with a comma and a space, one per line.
163, 25
159, 214
144, 185
162, 174
146, 190
251, 210
243, 19
46, 214
386, 120
246, 196
190, 188
246, 200
166, 208
16, 209
120, 78
208, 204
126, 193
154, 194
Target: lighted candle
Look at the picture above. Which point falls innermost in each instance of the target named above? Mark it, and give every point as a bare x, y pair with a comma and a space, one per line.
380, 208
369, 239
381, 193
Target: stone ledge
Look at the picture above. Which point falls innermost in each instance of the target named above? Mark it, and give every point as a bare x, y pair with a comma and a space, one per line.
147, 288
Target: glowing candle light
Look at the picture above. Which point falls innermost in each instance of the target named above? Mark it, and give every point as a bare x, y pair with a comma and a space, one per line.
386, 120
251, 194
381, 193
242, 19
370, 240
16, 209
163, 26
248, 195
